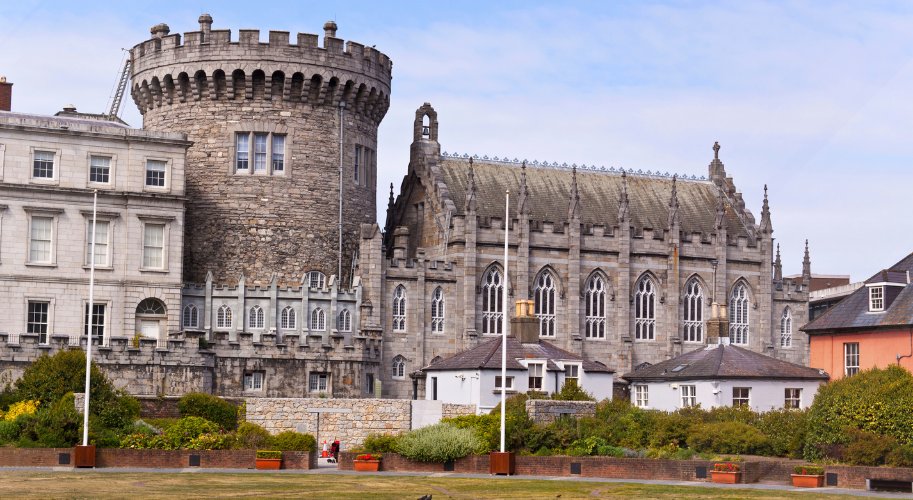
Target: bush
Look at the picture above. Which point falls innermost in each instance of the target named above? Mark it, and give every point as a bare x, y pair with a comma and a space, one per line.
118, 413
901, 456
210, 441
586, 446
875, 400
60, 425
50, 378
270, 454
785, 430
808, 470
9, 431
212, 408
867, 448
293, 441
21, 408
439, 443
728, 437
185, 430
251, 437
381, 443
571, 391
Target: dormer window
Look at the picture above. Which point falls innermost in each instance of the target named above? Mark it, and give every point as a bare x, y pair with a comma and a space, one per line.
876, 298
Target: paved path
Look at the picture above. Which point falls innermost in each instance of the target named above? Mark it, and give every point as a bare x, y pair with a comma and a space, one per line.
330, 469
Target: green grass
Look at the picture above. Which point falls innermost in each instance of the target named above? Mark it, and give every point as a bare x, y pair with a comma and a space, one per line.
92, 484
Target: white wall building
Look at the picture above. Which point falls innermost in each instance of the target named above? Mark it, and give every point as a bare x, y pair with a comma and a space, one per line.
724, 375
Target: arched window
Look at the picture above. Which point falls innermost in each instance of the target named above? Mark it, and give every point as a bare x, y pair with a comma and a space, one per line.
437, 311
693, 317
255, 318
344, 321
151, 319
786, 328
288, 318
316, 279
318, 320
738, 314
492, 298
223, 317
645, 310
399, 309
399, 367
151, 306
191, 316
595, 307
544, 296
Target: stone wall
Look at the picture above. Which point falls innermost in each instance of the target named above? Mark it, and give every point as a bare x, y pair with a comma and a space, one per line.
450, 410
544, 411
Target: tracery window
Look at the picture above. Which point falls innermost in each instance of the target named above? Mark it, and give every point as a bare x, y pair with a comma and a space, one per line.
437, 311
738, 315
645, 310
288, 318
595, 307
693, 317
255, 318
399, 309
344, 321
492, 301
318, 320
786, 328
223, 317
545, 304
191, 316
399, 367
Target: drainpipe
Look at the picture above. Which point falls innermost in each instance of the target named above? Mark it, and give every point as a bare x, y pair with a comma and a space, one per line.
899, 356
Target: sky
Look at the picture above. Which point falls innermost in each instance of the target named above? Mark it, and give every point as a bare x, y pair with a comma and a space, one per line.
813, 99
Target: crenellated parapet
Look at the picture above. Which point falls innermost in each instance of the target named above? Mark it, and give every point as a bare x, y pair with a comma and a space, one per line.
210, 65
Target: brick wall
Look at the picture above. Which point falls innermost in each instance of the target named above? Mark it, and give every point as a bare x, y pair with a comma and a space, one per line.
32, 457
165, 459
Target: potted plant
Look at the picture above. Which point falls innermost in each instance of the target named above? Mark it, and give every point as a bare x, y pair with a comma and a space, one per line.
808, 476
726, 473
367, 462
269, 459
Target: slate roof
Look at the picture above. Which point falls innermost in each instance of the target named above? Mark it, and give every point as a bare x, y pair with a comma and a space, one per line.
549, 194
488, 355
720, 362
852, 312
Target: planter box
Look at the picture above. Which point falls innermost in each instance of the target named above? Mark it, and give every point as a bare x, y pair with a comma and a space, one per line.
501, 463
366, 465
85, 456
726, 477
805, 481
269, 463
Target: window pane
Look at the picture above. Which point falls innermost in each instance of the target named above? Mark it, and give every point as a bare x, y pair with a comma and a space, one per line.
101, 242
43, 167
100, 169
278, 153
155, 173
154, 246
260, 152
40, 244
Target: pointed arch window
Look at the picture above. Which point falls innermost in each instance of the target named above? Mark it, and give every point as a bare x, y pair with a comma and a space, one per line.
595, 307
399, 309
344, 321
693, 314
191, 317
223, 317
399, 367
545, 304
786, 328
255, 318
288, 318
437, 311
318, 320
738, 314
492, 301
316, 279
645, 310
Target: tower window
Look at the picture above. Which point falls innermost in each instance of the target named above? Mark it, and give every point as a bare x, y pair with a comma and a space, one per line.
268, 151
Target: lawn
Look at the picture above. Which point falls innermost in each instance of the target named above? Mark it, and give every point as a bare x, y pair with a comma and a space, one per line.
92, 484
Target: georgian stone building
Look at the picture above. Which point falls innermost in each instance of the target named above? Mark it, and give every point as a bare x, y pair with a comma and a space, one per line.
624, 267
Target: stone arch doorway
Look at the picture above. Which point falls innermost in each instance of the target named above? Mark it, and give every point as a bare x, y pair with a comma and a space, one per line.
151, 319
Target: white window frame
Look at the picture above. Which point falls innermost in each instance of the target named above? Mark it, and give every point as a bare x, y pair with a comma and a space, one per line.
642, 396
318, 320
536, 371
792, 398
152, 165
876, 298
645, 309
165, 236
288, 318
399, 367
35, 327
267, 161
52, 216
689, 395
224, 317
238, 160
110, 166
739, 316
595, 308
492, 298
190, 316
107, 260
544, 304
437, 310
399, 309
510, 383
572, 372
693, 312
740, 399
318, 382
254, 381
344, 321
55, 165
786, 328
256, 317
316, 280
850, 358
103, 326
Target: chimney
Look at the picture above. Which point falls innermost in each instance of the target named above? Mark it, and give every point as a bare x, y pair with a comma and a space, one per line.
525, 325
6, 95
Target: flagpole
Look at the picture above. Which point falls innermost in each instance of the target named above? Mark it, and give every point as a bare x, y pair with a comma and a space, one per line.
505, 311
85, 408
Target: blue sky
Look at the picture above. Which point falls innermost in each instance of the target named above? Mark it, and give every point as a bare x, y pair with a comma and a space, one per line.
812, 98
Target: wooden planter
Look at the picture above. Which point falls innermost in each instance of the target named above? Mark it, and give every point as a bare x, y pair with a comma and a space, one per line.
726, 477
269, 463
85, 456
366, 465
808, 481
501, 463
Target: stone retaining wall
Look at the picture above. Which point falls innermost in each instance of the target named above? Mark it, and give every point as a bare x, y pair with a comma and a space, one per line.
544, 411
450, 410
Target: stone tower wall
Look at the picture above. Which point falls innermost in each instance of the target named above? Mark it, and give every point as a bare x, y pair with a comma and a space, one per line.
211, 88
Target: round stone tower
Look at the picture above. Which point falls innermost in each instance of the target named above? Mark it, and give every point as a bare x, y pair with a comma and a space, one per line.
272, 124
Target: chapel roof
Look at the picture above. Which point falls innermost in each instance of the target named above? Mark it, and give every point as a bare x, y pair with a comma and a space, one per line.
488, 355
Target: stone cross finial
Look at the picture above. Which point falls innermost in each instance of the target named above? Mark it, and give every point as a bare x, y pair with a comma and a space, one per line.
716, 150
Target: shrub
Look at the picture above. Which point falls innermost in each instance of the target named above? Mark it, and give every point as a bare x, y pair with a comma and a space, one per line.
438, 443
293, 441
185, 430
118, 413
251, 436
380, 443
60, 425
571, 391
210, 441
728, 437
9, 431
875, 400
212, 408
785, 431
586, 446
867, 448
50, 378
900, 456
270, 454
21, 408
142, 441
808, 470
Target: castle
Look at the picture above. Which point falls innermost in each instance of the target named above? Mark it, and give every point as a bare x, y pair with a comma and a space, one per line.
279, 281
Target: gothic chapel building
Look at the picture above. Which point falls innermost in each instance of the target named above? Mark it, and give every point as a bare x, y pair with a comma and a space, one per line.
624, 267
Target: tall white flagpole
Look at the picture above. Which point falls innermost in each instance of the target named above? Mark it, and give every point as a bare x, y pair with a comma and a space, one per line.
85, 408
505, 311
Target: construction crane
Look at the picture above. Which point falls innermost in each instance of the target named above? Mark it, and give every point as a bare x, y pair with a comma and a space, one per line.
118, 96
